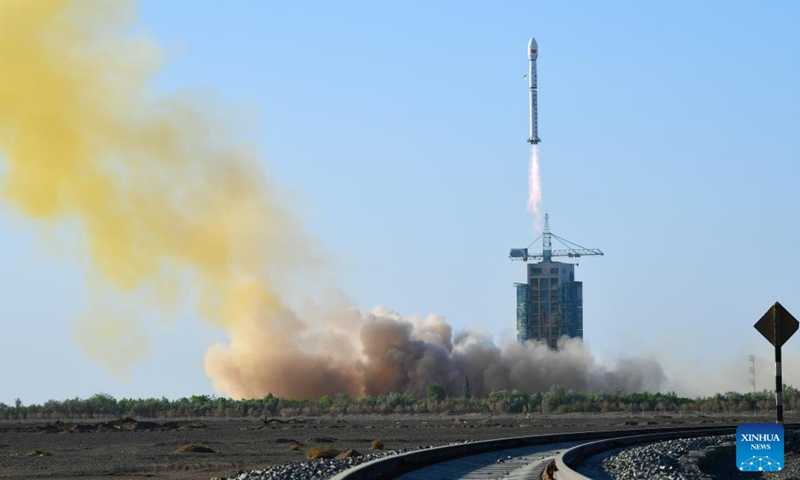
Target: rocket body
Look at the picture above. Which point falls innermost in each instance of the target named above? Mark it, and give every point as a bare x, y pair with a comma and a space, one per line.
533, 54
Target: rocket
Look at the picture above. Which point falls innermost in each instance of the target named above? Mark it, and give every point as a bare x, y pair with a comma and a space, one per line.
533, 53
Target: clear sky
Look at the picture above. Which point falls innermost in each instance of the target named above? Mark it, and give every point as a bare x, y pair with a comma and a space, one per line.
669, 140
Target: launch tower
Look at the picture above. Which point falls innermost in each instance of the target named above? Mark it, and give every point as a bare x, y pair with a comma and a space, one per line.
550, 304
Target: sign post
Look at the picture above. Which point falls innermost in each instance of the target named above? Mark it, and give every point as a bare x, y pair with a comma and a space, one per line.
777, 326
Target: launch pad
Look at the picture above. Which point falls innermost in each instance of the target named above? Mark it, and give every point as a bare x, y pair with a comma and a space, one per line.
550, 304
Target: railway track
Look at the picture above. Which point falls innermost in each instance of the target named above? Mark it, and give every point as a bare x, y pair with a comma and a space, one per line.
518, 458
513, 464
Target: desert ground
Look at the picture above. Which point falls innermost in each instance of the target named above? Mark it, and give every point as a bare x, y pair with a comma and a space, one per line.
141, 448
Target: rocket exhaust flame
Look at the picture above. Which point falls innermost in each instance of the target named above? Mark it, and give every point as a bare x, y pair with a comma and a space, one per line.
170, 209
534, 186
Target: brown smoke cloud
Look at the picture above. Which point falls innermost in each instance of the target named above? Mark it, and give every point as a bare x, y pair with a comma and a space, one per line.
169, 208
344, 350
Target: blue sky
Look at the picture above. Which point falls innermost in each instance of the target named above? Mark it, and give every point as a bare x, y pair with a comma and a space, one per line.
669, 140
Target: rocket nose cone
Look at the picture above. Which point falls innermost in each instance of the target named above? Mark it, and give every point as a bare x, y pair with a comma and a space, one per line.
533, 49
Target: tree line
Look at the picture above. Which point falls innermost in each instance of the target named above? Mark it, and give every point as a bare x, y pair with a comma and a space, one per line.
555, 400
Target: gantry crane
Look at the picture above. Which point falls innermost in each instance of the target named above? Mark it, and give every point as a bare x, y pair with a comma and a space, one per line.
572, 250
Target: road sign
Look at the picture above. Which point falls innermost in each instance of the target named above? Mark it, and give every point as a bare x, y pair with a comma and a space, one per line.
777, 325
777, 322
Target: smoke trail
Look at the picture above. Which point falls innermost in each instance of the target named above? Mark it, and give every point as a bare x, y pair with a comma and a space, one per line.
170, 208
534, 185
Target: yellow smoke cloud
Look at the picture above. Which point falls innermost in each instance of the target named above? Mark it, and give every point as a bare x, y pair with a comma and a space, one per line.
164, 201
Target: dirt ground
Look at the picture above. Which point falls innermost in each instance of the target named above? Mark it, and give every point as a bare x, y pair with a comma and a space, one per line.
135, 449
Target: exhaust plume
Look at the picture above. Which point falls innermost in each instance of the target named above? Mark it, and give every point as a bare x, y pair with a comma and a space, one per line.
390, 353
534, 186
170, 209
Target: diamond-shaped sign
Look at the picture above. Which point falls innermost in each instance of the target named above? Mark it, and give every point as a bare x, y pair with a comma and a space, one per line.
777, 322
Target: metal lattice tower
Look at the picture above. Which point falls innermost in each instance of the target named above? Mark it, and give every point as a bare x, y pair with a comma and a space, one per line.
571, 250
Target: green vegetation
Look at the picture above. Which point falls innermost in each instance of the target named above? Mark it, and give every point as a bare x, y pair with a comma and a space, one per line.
436, 393
555, 400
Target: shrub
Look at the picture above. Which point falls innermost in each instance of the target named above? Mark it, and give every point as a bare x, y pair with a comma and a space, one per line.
436, 392
38, 453
194, 448
321, 452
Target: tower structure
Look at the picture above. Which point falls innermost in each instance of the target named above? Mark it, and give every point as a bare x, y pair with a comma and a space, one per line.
550, 303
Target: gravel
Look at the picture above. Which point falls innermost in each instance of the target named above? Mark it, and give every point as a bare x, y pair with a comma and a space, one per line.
699, 458
668, 460
313, 469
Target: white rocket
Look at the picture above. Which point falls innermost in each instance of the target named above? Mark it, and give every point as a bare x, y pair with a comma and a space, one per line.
533, 53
